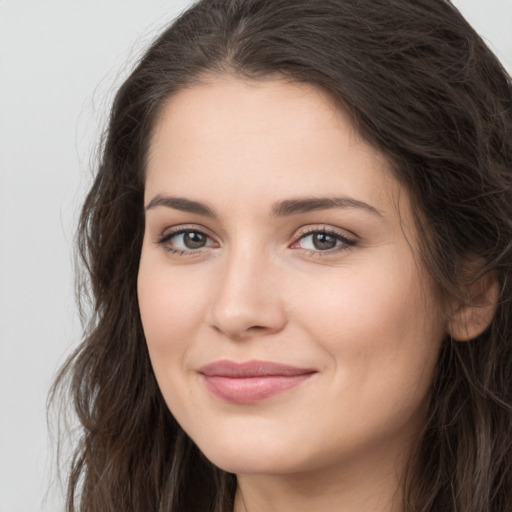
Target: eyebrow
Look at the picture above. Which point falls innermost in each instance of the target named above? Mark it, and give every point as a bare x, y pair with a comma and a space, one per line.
180, 203
310, 204
279, 209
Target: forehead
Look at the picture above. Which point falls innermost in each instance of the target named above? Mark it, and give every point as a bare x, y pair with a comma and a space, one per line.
256, 142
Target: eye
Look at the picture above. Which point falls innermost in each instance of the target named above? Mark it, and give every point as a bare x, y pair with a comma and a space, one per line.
183, 241
323, 240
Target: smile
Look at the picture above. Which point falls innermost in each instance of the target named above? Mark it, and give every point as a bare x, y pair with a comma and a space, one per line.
253, 381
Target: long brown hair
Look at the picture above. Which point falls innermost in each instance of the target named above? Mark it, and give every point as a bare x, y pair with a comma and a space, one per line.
423, 88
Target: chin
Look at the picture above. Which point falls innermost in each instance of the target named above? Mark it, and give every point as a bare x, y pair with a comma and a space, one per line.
252, 456
253, 464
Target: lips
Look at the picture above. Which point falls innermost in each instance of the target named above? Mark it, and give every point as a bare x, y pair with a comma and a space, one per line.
252, 381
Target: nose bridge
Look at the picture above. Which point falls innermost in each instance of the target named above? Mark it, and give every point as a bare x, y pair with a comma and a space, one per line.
247, 299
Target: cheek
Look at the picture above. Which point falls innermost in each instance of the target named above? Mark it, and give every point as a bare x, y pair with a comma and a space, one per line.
170, 311
381, 328
171, 314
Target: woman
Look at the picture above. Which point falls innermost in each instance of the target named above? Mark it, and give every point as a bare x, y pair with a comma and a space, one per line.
299, 249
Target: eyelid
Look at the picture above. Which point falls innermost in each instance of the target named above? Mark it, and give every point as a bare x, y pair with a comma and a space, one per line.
180, 228
347, 238
171, 231
324, 228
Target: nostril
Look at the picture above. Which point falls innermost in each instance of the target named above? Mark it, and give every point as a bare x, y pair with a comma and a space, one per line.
240, 315
240, 334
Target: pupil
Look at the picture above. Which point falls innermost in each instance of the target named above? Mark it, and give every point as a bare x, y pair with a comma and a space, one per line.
322, 241
194, 240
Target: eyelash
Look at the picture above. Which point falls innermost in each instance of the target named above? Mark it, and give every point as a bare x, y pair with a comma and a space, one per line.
166, 237
343, 242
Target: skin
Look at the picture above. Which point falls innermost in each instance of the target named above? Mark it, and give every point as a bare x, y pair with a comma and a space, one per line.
364, 315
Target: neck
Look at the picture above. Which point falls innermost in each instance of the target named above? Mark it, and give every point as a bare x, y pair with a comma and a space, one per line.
371, 485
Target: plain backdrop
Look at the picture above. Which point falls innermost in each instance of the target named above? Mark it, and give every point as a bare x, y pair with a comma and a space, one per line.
60, 63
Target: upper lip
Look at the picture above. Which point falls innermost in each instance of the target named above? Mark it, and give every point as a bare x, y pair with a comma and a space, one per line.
232, 369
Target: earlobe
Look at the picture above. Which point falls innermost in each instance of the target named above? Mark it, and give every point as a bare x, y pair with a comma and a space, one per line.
469, 319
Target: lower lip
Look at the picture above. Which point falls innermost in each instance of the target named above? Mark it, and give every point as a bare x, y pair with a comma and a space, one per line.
251, 389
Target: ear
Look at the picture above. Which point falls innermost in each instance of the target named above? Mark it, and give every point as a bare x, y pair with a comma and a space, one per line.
469, 319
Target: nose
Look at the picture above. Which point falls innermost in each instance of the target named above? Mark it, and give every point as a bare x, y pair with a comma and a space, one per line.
247, 301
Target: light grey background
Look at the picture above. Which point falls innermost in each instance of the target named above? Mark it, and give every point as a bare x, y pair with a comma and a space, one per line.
60, 62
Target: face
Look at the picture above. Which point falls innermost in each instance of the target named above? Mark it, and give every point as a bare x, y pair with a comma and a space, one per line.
289, 323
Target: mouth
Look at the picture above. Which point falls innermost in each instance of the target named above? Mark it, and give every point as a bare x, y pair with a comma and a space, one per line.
252, 381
